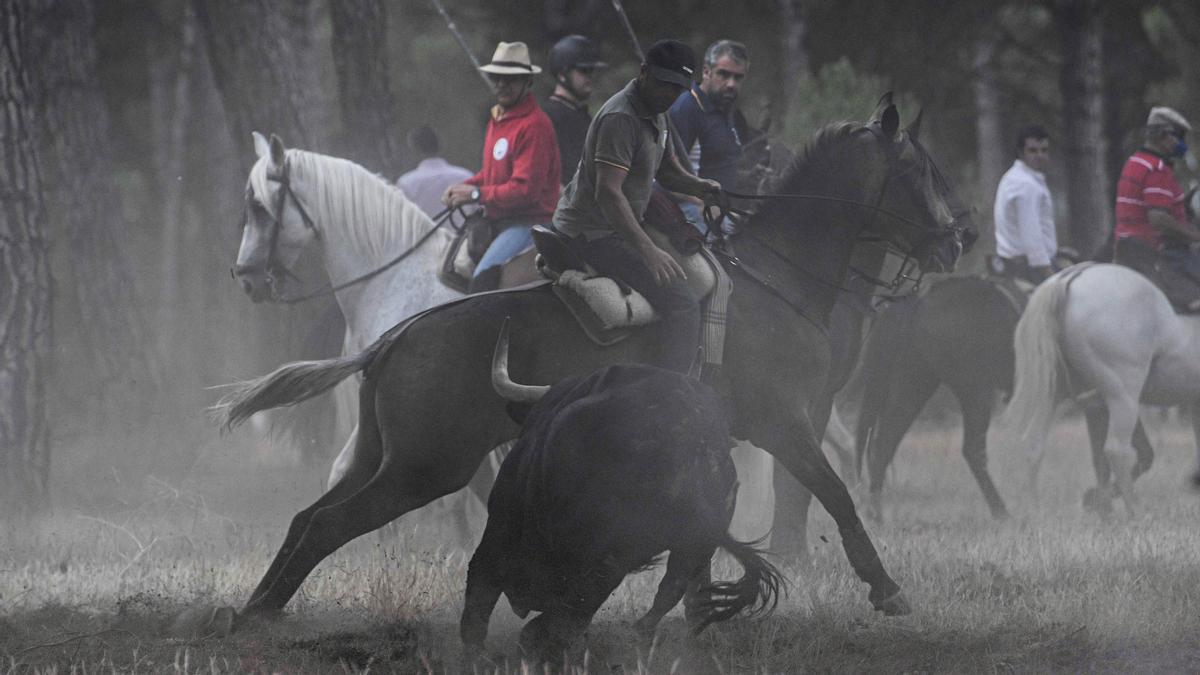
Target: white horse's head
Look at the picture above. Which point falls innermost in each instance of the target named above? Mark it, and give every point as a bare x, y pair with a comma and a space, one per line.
276, 226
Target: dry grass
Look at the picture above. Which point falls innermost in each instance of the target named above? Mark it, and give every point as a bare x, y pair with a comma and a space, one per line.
1052, 590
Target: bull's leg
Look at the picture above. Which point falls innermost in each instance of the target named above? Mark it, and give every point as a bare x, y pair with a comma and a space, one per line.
976, 405
483, 588
555, 631
796, 447
683, 566
906, 396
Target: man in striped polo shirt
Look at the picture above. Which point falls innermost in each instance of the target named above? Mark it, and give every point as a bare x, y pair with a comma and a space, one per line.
1150, 202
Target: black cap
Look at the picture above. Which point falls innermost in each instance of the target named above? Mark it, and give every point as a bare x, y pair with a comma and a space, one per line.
671, 61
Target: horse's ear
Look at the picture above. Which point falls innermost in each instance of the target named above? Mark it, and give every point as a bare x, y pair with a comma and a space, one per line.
890, 122
277, 151
884, 102
914, 128
261, 146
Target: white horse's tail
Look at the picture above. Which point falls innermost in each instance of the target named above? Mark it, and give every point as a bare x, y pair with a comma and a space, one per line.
1037, 375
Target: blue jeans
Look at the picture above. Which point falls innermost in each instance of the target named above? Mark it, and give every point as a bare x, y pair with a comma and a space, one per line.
506, 246
694, 214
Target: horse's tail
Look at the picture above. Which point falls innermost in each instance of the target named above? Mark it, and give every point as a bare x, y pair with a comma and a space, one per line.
886, 342
756, 592
290, 384
1037, 375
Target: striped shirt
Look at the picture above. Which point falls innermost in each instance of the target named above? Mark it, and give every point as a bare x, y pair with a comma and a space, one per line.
1147, 182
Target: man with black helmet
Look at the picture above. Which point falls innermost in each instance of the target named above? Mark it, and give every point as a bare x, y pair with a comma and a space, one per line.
601, 209
573, 62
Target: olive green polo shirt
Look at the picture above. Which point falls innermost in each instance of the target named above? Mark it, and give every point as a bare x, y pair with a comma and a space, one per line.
623, 134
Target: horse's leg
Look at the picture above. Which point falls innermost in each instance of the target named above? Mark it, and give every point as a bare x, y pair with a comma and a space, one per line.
976, 403
1098, 499
906, 396
794, 444
1122, 419
1144, 450
1195, 411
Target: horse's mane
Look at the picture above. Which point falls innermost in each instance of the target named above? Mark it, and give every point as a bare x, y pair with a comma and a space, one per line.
808, 166
349, 201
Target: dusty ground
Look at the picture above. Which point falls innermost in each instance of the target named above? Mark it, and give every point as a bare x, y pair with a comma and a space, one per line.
91, 587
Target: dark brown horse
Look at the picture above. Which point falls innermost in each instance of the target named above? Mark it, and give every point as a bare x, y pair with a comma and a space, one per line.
428, 414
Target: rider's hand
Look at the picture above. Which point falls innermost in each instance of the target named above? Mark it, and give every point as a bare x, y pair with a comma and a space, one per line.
456, 195
707, 186
664, 268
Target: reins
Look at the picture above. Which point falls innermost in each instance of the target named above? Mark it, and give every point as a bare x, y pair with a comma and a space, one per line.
441, 218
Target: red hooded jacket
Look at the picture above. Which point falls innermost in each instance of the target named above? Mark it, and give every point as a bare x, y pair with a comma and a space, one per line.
521, 165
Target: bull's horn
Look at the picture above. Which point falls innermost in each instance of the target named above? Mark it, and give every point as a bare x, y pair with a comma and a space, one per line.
502, 383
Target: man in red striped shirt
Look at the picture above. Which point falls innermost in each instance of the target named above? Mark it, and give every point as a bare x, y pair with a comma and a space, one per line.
1150, 204
518, 183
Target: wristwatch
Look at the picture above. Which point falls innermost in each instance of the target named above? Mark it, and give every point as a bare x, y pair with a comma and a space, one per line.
475, 195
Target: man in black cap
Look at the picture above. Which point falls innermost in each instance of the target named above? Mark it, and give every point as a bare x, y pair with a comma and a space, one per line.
601, 209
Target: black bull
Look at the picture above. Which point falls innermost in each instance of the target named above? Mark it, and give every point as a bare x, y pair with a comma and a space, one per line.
428, 415
610, 470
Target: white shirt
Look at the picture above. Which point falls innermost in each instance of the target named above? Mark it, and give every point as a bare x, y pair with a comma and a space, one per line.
1024, 216
426, 183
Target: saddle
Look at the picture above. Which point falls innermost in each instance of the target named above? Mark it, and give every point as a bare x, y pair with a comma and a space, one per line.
606, 308
1182, 292
467, 248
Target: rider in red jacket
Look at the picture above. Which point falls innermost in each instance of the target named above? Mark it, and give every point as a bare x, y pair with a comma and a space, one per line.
518, 183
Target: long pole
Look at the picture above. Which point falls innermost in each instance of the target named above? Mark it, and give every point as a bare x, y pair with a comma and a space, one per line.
637, 46
463, 43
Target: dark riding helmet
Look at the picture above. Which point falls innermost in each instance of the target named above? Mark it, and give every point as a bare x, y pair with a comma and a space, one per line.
574, 51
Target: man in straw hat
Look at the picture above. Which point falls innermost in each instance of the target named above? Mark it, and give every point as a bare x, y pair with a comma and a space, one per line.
518, 183
601, 209
1150, 202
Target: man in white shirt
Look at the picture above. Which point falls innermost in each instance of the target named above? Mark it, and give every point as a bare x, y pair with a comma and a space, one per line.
426, 183
1024, 213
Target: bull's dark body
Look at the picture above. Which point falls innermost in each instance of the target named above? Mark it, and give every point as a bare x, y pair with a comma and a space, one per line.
611, 470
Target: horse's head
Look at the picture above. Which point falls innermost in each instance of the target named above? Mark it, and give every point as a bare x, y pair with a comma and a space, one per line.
276, 227
919, 213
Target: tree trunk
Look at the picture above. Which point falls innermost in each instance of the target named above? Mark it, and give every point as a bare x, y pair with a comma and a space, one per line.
25, 295
268, 67
106, 318
368, 107
796, 64
1085, 148
989, 138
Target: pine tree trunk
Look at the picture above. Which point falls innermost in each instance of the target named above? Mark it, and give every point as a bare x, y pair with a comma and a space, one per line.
1085, 148
366, 101
103, 311
988, 137
25, 294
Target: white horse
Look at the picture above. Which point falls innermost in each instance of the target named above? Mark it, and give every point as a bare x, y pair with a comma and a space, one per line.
361, 222
1105, 334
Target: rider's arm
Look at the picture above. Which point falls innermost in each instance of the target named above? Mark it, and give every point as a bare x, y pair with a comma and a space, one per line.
672, 176
617, 212
1166, 223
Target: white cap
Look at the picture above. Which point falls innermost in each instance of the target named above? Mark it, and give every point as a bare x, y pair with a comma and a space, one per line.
1163, 116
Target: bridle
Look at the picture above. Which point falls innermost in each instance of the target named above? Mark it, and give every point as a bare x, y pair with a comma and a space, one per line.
909, 270
271, 264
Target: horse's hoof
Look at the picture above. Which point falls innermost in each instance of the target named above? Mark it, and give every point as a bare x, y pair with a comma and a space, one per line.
1098, 501
896, 605
202, 622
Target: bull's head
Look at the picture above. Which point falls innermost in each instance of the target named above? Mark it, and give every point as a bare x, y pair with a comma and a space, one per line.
502, 383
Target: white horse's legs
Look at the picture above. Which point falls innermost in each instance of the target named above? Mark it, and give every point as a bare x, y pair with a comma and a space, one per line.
754, 512
1118, 447
341, 463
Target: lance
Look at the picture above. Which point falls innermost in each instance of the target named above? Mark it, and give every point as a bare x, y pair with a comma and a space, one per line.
462, 43
637, 46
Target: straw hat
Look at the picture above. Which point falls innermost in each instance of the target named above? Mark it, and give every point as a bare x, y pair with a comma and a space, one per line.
511, 58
